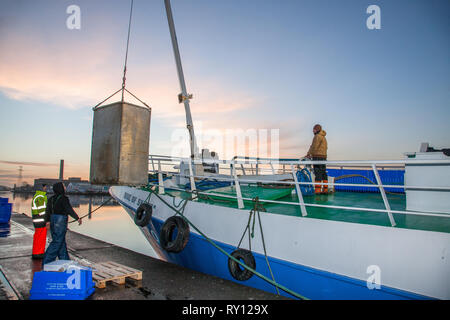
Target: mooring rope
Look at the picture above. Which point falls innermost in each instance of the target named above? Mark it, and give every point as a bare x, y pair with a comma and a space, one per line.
80, 218
257, 208
181, 211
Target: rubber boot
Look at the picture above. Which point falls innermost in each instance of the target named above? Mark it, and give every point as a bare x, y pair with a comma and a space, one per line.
325, 187
318, 187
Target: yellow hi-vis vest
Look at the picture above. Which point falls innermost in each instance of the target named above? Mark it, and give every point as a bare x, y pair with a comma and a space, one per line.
38, 205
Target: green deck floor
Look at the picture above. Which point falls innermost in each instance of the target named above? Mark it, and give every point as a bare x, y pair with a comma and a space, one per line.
248, 192
348, 199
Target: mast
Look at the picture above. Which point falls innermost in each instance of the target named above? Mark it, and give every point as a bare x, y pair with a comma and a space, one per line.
183, 96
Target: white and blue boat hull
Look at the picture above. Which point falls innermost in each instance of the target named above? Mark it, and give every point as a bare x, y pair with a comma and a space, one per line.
318, 259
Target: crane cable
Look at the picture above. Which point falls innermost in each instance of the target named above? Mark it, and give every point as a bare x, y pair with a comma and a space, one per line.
124, 79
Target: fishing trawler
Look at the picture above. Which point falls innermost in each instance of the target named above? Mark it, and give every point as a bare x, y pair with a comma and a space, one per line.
382, 233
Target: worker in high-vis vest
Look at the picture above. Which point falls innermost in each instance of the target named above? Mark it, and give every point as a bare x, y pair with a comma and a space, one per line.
38, 206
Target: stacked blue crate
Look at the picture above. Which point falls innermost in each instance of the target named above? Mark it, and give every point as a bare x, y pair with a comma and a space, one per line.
388, 177
5, 211
68, 285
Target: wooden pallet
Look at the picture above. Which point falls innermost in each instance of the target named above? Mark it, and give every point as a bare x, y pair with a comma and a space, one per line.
104, 272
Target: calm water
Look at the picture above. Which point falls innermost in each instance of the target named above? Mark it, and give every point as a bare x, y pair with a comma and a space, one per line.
110, 223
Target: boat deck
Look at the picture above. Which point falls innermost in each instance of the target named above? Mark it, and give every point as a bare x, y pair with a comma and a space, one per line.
397, 202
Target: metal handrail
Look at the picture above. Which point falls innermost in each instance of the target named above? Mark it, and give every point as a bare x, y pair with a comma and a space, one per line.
306, 162
313, 183
434, 214
293, 164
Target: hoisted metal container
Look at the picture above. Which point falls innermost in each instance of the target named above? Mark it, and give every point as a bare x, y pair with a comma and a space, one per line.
120, 144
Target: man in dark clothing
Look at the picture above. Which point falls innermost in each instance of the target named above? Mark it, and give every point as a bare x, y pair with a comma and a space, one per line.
58, 209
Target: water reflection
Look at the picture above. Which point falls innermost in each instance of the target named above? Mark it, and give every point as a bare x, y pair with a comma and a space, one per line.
35, 266
110, 223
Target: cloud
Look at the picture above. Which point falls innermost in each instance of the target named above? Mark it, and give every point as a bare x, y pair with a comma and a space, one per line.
24, 163
72, 77
14, 176
62, 73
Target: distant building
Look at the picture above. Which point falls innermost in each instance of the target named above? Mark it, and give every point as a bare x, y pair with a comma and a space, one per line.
73, 185
38, 183
86, 187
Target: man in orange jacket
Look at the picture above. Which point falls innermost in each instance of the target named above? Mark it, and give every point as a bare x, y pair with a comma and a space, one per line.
318, 151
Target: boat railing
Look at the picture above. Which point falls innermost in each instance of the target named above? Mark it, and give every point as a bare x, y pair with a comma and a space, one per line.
254, 164
290, 166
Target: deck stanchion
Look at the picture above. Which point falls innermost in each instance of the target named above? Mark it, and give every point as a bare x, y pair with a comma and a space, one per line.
243, 169
383, 195
153, 163
191, 176
299, 193
231, 173
237, 185
271, 166
160, 179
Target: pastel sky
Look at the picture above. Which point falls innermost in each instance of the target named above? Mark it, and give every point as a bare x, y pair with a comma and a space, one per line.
251, 64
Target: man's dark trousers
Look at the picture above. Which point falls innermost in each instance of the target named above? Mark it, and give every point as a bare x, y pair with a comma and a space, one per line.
57, 248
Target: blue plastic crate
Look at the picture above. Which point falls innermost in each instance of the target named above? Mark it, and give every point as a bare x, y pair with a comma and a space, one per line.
5, 212
49, 285
5, 230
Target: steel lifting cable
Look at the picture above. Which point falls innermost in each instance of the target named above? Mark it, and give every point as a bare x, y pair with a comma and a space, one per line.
124, 78
181, 211
126, 53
